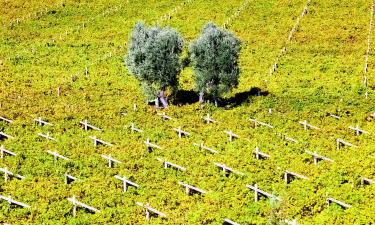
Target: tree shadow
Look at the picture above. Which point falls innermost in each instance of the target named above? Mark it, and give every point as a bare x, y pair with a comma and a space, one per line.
183, 97
239, 98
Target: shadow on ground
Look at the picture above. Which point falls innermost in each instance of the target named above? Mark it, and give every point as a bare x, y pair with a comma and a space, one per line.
184, 97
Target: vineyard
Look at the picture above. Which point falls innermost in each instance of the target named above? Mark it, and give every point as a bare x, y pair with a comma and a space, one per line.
292, 144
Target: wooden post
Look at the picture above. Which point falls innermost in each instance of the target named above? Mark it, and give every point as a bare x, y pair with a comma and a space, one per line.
171, 165
150, 211
77, 203
318, 157
87, 126
42, 122
56, 155
258, 191
256, 122
231, 135
98, 142
126, 183
358, 130
110, 160
189, 189
6, 119
3, 152
181, 132
340, 203
133, 128
150, 145
227, 171
164, 116
288, 174
229, 222
208, 119
11, 201
307, 125
47, 136
7, 174
340, 142
201, 146
260, 155
5, 136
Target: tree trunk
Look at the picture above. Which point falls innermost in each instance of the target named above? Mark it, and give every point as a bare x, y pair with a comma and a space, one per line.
201, 96
163, 99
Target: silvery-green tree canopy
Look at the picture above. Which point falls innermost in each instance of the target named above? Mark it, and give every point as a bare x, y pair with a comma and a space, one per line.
214, 56
154, 59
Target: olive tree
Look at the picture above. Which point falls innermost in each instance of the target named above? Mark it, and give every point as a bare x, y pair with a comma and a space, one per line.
214, 56
154, 59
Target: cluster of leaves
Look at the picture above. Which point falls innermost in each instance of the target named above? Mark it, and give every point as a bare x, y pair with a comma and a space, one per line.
154, 59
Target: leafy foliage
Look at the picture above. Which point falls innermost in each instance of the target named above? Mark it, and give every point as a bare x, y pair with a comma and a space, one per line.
154, 57
215, 57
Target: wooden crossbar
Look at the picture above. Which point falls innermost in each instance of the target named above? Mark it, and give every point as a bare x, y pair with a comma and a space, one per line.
69, 178
88, 126
334, 116
47, 136
231, 135
201, 146
318, 157
288, 174
164, 116
291, 222
208, 119
358, 130
111, 160
191, 189
260, 155
98, 142
230, 222
133, 128
11, 201
367, 181
170, 165
307, 125
256, 122
258, 191
77, 203
126, 182
7, 173
42, 122
340, 203
4, 135
4, 152
6, 119
57, 155
287, 138
341, 142
227, 170
181, 132
150, 146
150, 211
290, 139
